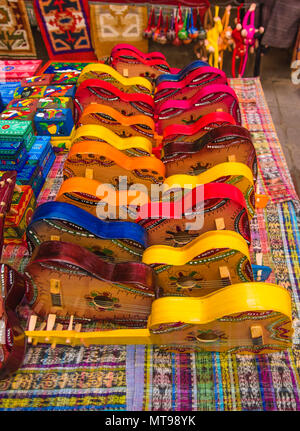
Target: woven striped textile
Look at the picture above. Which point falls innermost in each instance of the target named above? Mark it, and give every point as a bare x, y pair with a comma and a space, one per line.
145, 378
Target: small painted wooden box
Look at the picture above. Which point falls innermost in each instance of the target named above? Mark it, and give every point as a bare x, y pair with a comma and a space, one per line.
15, 131
54, 122
15, 224
39, 80
60, 91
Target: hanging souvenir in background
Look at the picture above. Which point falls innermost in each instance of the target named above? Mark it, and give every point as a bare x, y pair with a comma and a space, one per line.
65, 29
16, 39
112, 24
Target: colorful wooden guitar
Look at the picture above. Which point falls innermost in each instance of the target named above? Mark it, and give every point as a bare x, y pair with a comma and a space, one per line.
67, 279
188, 86
208, 263
184, 133
209, 99
111, 240
225, 143
182, 73
12, 337
149, 56
134, 146
122, 125
130, 64
107, 164
103, 201
244, 318
106, 73
99, 91
217, 206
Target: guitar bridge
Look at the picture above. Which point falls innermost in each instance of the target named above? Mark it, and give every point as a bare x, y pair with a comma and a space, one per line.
55, 292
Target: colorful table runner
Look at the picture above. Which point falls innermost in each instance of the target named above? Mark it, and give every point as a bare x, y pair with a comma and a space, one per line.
144, 378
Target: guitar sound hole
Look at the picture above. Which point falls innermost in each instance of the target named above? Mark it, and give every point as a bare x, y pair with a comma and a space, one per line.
186, 284
103, 301
208, 337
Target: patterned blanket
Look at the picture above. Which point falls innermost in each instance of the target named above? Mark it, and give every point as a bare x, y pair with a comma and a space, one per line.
144, 378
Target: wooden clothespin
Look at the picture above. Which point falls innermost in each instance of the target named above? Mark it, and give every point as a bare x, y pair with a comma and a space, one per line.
41, 328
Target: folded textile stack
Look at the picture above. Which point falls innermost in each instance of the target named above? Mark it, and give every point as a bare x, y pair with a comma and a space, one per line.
22, 206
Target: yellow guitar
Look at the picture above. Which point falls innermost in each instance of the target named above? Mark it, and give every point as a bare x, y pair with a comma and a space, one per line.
108, 74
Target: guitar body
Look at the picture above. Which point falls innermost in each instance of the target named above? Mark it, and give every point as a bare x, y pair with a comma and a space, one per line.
67, 279
107, 164
196, 268
217, 206
186, 133
222, 144
181, 74
244, 318
129, 64
108, 74
134, 51
111, 240
207, 100
102, 200
237, 174
13, 341
189, 85
121, 125
99, 91
132, 146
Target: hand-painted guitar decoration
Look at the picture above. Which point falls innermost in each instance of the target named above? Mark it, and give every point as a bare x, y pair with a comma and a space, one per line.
156, 55
225, 143
237, 174
122, 125
209, 99
133, 146
99, 91
106, 73
244, 318
67, 279
186, 133
130, 64
213, 206
107, 164
188, 86
113, 241
208, 263
181, 74
103, 200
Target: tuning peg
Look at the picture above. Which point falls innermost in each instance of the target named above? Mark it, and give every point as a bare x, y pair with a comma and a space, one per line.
41, 328
77, 329
31, 325
68, 340
59, 327
50, 323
